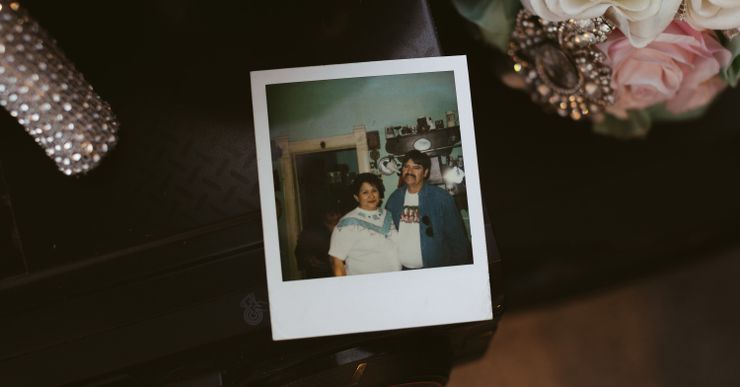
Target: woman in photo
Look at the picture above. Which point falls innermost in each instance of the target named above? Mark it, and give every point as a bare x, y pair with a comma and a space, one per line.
365, 240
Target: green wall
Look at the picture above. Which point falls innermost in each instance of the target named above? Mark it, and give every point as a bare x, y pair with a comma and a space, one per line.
306, 110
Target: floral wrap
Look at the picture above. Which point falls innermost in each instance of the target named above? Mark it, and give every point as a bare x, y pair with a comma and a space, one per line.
622, 64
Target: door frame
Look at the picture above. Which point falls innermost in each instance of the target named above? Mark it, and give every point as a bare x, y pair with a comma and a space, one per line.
355, 140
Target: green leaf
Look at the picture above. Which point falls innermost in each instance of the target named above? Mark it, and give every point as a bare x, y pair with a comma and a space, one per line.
731, 73
495, 18
637, 125
658, 113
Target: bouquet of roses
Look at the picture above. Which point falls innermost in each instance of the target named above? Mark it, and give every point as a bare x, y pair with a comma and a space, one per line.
621, 64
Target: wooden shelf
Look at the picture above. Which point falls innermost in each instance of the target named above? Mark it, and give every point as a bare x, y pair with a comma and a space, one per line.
442, 141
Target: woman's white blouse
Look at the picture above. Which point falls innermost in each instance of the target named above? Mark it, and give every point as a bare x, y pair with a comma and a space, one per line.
366, 241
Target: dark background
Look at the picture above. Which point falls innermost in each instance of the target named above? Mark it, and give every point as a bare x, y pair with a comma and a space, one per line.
150, 269
572, 211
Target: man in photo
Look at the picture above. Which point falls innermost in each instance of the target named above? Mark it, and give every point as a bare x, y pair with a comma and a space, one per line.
431, 231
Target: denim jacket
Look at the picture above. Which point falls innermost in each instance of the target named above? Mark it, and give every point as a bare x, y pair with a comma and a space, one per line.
444, 241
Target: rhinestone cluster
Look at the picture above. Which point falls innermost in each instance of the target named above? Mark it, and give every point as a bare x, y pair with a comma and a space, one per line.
40, 87
683, 11
561, 65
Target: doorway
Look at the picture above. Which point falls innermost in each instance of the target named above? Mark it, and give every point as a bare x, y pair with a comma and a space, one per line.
297, 167
325, 177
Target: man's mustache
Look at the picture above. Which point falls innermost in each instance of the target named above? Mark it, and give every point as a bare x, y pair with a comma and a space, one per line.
409, 175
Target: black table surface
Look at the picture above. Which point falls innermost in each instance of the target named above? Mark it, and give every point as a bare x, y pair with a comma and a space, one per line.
571, 210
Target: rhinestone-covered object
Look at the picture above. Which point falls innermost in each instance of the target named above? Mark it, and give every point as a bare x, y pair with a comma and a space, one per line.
40, 87
561, 65
683, 11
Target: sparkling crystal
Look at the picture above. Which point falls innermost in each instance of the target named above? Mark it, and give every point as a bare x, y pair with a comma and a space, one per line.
584, 23
86, 147
591, 88
543, 89
571, 73
585, 38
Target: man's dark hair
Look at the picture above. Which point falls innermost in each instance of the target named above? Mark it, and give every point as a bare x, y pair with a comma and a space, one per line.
371, 179
418, 158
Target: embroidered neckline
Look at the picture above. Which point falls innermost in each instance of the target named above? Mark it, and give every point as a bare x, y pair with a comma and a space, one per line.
382, 230
374, 215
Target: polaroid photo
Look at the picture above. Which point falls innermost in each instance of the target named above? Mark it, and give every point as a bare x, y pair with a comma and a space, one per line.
370, 197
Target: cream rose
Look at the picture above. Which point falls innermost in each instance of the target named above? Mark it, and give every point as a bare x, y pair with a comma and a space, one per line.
640, 20
713, 14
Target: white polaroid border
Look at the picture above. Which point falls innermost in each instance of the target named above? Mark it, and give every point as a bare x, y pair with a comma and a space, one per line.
384, 301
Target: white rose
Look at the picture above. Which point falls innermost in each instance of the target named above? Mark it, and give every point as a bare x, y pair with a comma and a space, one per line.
640, 20
713, 14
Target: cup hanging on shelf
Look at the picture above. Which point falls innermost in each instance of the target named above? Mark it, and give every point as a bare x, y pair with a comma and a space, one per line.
389, 132
451, 119
422, 124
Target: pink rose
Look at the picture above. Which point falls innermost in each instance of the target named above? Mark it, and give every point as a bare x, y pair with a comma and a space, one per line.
679, 68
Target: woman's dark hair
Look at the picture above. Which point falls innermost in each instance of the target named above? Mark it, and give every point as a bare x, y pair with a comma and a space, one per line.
371, 179
418, 158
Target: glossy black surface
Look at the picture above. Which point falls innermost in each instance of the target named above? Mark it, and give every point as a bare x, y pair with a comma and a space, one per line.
150, 269
150, 247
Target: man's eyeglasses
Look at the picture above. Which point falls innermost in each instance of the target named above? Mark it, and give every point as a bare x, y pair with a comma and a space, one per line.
427, 222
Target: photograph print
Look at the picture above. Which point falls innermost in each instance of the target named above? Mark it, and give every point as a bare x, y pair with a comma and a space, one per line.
372, 172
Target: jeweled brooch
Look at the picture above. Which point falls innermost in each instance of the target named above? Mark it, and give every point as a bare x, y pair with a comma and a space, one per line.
561, 65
